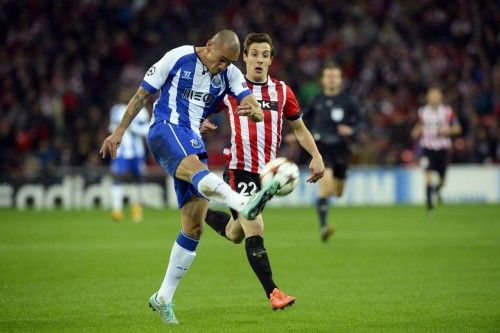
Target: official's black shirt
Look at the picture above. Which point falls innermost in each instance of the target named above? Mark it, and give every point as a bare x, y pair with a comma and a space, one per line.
325, 113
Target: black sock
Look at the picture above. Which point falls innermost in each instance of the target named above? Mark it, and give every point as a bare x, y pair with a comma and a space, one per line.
429, 191
322, 207
218, 220
258, 259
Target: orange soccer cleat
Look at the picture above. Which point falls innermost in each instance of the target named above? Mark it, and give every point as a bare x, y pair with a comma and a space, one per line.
280, 300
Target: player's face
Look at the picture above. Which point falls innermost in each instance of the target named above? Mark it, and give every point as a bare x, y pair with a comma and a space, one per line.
331, 79
220, 57
434, 96
258, 61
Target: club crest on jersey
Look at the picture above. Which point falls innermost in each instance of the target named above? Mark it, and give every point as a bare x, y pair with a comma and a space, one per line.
273, 95
216, 81
151, 71
195, 143
337, 114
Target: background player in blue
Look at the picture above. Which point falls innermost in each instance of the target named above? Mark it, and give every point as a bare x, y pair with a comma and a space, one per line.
192, 81
129, 163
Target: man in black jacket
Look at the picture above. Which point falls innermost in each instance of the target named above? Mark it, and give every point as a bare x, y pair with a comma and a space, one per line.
332, 117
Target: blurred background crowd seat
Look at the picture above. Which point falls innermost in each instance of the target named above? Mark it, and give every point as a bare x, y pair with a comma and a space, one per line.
62, 63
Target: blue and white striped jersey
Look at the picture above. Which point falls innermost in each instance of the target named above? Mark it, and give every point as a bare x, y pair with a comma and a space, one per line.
189, 93
132, 144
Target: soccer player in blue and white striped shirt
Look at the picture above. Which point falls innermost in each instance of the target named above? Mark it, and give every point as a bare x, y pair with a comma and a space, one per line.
129, 164
192, 81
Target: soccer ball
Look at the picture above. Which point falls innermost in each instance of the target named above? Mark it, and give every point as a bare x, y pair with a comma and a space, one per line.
286, 171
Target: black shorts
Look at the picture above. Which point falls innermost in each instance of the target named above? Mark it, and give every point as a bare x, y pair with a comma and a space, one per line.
437, 160
243, 182
337, 157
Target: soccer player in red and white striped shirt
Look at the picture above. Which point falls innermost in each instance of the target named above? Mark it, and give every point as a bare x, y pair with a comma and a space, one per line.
252, 146
436, 124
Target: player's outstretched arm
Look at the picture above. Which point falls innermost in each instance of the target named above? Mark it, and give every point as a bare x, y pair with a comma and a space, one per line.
112, 142
251, 108
307, 142
453, 130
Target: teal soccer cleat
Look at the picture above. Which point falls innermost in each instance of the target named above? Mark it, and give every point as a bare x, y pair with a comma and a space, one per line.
166, 310
257, 203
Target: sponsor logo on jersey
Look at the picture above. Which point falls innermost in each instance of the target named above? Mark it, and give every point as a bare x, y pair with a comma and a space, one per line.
198, 96
186, 74
268, 105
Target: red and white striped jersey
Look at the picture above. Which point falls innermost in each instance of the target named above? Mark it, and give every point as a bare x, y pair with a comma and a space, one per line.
433, 120
254, 144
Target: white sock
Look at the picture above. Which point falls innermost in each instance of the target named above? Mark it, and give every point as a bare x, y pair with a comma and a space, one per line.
213, 187
116, 197
135, 197
180, 261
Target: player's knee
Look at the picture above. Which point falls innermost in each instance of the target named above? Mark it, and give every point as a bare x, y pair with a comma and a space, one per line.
235, 234
338, 191
194, 230
237, 238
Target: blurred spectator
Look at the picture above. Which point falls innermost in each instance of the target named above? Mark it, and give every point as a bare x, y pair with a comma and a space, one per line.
62, 61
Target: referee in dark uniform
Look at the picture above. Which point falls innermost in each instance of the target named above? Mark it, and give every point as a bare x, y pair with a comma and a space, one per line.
333, 118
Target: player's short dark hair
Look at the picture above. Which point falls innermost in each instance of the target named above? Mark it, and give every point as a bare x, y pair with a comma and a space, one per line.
257, 37
330, 65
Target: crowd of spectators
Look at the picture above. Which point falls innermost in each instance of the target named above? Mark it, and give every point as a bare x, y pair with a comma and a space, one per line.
62, 62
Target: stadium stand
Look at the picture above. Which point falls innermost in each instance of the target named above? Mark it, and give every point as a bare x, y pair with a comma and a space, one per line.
61, 63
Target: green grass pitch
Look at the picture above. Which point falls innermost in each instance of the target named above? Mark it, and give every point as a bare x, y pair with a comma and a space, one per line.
386, 269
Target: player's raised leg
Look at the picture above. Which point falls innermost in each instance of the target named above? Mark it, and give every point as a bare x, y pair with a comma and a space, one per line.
219, 220
191, 169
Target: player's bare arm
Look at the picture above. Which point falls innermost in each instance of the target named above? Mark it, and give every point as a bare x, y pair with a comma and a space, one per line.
416, 131
112, 142
307, 142
251, 108
453, 130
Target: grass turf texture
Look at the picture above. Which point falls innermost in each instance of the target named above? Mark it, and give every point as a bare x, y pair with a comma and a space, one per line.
387, 269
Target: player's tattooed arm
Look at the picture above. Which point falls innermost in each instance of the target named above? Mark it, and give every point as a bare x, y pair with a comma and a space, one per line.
133, 108
112, 142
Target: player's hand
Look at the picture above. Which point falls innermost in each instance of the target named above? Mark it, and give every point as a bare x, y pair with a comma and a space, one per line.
207, 127
344, 130
317, 169
111, 144
444, 131
252, 111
